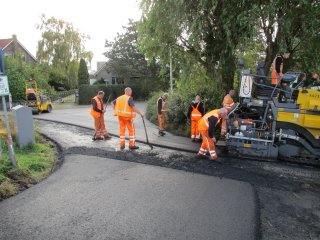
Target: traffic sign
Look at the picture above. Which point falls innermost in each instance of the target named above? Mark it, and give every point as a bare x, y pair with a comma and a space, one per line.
4, 86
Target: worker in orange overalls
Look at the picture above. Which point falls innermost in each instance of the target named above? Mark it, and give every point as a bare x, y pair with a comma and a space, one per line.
228, 100
195, 112
277, 68
162, 113
126, 111
97, 112
206, 127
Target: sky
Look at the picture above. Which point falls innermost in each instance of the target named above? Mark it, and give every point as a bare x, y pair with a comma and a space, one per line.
100, 19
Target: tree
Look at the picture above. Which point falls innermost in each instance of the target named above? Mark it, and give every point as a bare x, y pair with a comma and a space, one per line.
127, 62
208, 31
83, 75
18, 72
61, 47
288, 26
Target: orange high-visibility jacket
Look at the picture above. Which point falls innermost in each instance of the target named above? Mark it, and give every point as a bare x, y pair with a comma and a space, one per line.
203, 124
196, 114
99, 106
275, 76
228, 102
122, 107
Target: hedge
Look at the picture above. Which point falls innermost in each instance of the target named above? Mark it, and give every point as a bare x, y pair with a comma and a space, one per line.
86, 92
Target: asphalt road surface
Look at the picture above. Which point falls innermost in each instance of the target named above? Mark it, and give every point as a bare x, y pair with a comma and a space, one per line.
91, 197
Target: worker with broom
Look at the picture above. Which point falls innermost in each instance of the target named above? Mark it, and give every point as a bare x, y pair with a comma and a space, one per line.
125, 109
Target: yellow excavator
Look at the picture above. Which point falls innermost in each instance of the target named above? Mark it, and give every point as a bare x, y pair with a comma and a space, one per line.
276, 121
35, 100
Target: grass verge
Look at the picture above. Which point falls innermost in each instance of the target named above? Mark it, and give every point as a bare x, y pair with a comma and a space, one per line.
34, 163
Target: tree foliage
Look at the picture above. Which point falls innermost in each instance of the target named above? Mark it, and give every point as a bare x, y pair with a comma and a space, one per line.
214, 32
62, 46
207, 31
83, 75
289, 26
18, 72
127, 62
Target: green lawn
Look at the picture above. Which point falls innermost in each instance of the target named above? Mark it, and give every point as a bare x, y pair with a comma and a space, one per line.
34, 163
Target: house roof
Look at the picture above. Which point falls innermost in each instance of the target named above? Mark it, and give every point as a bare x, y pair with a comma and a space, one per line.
100, 69
5, 42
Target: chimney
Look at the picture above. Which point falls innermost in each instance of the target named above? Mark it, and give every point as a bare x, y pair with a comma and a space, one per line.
15, 48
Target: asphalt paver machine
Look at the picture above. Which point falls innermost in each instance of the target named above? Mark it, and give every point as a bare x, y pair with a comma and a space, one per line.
275, 121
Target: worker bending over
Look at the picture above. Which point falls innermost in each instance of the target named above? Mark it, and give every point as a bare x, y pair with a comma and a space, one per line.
195, 112
207, 126
126, 111
162, 113
97, 112
228, 100
277, 68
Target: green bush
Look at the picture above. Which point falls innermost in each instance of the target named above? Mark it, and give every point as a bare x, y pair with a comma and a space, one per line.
86, 93
192, 81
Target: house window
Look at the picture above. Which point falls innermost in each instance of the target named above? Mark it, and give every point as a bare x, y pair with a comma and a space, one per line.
114, 80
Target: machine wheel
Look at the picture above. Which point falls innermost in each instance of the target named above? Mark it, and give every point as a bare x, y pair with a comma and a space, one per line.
49, 108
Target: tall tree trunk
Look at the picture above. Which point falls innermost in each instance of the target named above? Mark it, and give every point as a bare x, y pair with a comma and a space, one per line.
228, 67
271, 53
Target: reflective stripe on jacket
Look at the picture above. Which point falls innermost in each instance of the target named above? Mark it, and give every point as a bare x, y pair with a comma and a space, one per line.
196, 114
122, 107
99, 106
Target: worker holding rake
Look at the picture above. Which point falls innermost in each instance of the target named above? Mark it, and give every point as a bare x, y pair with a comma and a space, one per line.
97, 112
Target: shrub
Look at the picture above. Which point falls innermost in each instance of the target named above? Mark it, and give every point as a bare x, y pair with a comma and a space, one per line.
192, 81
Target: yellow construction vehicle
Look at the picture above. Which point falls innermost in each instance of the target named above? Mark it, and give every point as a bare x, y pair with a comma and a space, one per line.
35, 100
276, 121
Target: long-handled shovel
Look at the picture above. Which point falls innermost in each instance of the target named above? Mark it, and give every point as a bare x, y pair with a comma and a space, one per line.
145, 130
95, 132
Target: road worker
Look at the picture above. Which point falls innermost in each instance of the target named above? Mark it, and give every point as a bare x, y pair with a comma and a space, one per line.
228, 100
125, 109
195, 112
277, 68
97, 112
206, 126
162, 113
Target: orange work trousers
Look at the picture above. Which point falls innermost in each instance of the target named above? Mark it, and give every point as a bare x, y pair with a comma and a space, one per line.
275, 78
195, 134
100, 127
126, 122
162, 121
207, 146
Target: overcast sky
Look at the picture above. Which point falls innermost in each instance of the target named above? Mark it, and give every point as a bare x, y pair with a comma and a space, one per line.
101, 19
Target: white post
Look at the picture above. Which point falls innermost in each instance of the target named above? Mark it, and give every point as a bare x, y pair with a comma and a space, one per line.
171, 84
9, 138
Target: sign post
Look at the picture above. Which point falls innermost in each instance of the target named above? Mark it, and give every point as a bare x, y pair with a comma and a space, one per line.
4, 91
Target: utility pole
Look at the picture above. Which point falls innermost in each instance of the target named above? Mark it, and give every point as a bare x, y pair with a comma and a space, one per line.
4, 91
171, 76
